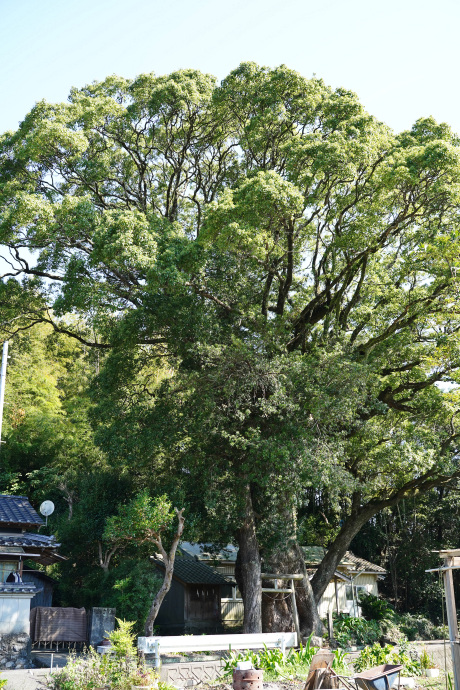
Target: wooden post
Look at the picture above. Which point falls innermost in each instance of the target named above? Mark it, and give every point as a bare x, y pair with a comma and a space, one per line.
452, 621
330, 625
295, 613
336, 596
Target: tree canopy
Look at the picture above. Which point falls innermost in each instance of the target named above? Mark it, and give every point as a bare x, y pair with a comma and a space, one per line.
271, 276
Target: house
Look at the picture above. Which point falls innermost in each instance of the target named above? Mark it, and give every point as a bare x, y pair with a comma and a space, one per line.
44, 585
193, 604
223, 561
353, 576
18, 544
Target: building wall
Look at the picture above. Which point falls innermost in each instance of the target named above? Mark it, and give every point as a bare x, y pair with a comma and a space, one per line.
44, 595
14, 613
225, 569
328, 600
232, 607
170, 617
232, 611
202, 609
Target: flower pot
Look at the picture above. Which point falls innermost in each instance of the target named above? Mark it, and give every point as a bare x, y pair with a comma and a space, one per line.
431, 672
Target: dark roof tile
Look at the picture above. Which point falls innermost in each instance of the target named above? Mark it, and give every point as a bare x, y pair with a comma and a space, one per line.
17, 510
194, 572
34, 540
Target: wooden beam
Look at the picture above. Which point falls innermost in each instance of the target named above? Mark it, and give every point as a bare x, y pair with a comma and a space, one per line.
276, 590
295, 613
452, 622
277, 576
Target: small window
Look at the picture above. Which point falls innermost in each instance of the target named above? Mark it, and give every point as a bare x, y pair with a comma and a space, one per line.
359, 589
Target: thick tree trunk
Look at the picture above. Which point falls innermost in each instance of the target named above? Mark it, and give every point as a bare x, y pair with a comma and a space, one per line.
277, 609
307, 606
336, 551
249, 569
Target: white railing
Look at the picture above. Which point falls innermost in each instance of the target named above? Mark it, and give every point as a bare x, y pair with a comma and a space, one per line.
214, 643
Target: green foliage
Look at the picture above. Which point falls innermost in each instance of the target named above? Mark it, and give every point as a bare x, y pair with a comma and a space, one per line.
375, 608
394, 628
123, 639
3, 682
139, 520
91, 670
339, 662
420, 628
426, 661
376, 655
132, 594
350, 631
274, 661
270, 272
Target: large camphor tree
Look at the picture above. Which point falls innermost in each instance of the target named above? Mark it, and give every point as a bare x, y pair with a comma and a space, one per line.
287, 264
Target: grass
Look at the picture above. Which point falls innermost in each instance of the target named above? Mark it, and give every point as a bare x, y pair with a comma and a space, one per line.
438, 683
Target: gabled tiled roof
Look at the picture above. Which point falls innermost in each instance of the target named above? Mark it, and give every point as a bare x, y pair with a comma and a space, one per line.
14, 587
194, 572
17, 510
362, 564
37, 540
315, 554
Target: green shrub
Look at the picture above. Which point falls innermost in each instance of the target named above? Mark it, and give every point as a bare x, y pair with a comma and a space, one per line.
375, 608
339, 663
420, 628
92, 670
355, 631
123, 639
376, 655
273, 660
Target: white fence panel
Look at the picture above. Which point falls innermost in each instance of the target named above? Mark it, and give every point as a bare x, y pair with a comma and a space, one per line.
210, 643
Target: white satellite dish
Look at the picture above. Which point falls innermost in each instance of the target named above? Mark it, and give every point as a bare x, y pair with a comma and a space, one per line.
46, 508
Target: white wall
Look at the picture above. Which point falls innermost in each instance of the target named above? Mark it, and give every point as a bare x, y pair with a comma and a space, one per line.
15, 613
328, 600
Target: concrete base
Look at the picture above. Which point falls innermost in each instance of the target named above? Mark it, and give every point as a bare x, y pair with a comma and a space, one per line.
188, 674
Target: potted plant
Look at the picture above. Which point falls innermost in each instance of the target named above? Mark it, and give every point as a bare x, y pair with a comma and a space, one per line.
430, 669
143, 678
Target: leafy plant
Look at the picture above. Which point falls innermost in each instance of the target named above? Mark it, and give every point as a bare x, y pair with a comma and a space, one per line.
122, 639
356, 631
92, 670
375, 608
372, 656
339, 664
376, 655
420, 628
426, 661
273, 660
143, 677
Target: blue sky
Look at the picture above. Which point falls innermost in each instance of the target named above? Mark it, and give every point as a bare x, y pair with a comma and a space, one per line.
400, 57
